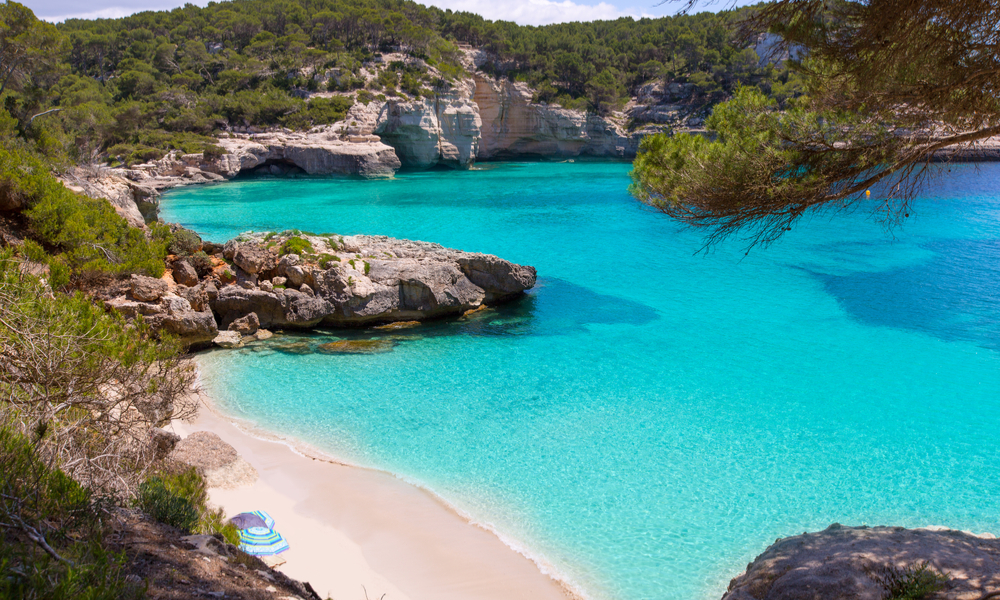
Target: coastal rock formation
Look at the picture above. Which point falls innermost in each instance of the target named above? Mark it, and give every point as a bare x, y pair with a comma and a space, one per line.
216, 461
124, 194
362, 279
513, 125
150, 299
854, 563
442, 130
338, 281
318, 152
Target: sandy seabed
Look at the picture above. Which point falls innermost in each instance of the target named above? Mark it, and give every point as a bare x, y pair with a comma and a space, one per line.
358, 533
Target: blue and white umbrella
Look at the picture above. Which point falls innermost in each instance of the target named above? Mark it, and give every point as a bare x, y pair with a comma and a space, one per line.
257, 518
261, 541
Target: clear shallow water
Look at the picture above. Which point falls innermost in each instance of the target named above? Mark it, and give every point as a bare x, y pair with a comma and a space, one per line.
648, 420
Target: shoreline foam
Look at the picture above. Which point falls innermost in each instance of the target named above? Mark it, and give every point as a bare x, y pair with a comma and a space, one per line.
482, 573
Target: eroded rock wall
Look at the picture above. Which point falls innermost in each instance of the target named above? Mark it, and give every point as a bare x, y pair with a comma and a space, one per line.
443, 130
316, 153
513, 125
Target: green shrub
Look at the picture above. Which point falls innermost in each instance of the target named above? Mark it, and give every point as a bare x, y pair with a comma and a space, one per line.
86, 233
295, 245
214, 521
351, 262
368, 267
159, 498
181, 500
323, 111
202, 263
213, 152
326, 259
184, 242
914, 582
65, 514
364, 96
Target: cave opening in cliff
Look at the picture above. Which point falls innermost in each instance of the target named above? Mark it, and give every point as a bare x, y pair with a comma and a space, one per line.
274, 168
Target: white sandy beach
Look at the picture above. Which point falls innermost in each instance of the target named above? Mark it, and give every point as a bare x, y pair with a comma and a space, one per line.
353, 530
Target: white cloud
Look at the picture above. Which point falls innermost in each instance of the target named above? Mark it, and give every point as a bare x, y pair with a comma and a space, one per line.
115, 12
524, 12
56, 11
537, 12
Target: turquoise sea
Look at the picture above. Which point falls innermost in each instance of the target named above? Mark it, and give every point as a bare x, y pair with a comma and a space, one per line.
649, 418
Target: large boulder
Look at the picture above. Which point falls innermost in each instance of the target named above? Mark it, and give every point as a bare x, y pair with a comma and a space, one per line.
282, 308
168, 312
216, 461
254, 258
247, 325
184, 273
147, 289
228, 339
856, 563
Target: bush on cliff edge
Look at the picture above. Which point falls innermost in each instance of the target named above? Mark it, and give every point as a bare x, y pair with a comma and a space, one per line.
81, 235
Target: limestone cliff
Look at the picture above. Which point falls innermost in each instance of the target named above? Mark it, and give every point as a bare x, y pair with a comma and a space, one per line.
513, 125
318, 152
480, 118
443, 130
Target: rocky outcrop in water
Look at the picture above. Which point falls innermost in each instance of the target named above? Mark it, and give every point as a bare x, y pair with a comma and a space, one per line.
861, 563
261, 282
357, 280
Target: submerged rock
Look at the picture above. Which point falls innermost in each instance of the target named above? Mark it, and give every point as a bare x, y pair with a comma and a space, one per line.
228, 339
293, 348
377, 346
398, 325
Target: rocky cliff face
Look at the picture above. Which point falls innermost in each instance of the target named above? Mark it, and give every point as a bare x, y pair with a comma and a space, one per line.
513, 125
481, 118
319, 152
444, 130
476, 118
338, 281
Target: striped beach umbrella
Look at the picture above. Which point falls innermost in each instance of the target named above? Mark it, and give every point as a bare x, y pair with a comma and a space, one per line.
256, 518
261, 541
268, 521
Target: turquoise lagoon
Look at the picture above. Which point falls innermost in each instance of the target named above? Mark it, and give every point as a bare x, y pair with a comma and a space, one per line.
649, 418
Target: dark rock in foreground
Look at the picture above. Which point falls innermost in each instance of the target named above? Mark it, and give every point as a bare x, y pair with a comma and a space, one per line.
855, 563
285, 281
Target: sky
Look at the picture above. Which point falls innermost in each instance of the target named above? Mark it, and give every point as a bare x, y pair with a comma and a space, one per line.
524, 12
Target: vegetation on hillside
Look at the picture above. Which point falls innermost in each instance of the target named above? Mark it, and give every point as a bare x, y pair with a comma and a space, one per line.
79, 391
128, 90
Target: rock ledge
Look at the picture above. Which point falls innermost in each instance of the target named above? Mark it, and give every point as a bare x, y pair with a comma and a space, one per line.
843, 563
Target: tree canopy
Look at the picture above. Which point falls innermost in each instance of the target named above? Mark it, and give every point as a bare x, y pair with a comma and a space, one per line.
888, 83
131, 89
